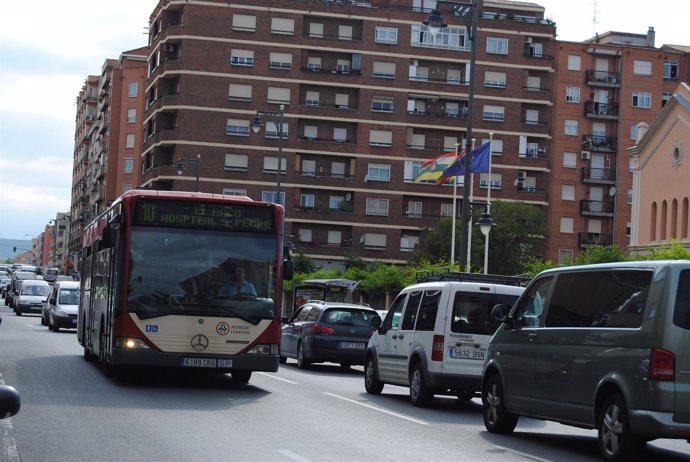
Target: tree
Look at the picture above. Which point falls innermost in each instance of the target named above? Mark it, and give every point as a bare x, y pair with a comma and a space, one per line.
303, 264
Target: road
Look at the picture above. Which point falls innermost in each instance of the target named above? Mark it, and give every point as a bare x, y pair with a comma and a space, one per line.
72, 412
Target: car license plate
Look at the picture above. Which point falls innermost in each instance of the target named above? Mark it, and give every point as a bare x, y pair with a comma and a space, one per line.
199, 362
467, 353
351, 345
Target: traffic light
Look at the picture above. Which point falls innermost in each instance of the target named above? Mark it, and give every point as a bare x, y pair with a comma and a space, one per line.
14, 249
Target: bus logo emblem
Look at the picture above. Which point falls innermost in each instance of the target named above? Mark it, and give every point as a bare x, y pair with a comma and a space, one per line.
199, 342
222, 328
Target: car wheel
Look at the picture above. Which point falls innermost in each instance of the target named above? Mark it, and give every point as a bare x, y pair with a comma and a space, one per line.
371, 379
18, 311
43, 320
496, 418
302, 362
241, 376
420, 395
615, 441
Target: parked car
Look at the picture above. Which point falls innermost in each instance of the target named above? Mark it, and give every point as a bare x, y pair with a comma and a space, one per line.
435, 335
31, 296
598, 346
60, 309
328, 332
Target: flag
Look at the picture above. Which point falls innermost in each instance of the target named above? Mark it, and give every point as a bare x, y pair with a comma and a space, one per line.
432, 169
479, 163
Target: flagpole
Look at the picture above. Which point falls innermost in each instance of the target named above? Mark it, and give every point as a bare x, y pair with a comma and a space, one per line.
454, 215
469, 222
488, 207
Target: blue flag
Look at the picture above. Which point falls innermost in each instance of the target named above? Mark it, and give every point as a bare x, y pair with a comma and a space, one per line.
479, 163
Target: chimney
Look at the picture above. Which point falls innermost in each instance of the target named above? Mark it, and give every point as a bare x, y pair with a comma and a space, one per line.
651, 35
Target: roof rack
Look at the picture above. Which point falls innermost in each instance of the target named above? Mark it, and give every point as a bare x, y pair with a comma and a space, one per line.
444, 274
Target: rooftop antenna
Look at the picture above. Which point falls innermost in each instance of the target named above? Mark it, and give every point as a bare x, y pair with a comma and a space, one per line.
594, 19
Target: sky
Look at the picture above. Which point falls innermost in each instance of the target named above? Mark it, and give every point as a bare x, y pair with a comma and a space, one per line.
42, 69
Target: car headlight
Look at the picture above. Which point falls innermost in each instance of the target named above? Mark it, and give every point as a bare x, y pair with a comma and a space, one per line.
60, 313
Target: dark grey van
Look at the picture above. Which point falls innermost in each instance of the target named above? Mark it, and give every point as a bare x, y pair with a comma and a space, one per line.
597, 346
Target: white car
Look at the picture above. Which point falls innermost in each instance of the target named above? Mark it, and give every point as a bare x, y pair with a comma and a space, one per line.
60, 310
31, 296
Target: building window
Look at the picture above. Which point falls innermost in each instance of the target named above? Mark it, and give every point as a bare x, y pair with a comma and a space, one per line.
572, 94
671, 70
497, 45
282, 26
316, 30
374, 241
496, 146
126, 187
335, 237
567, 225
234, 192
271, 165
304, 235
128, 165
565, 257
642, 67
344, 32
446, 210
278, 60
271, 196
335, 202
414, 209
377, 207
574, 62
129, 140
494, 79
131, 115
379, 172
308, 167
633, 131
571, 127
381, 138
387, 35
244, 22
132, 89
237, 92
306, 201
642, 99
382, 104
236, 162
450, 38
569, 160
493, 113
384, 70
338, 169
568, 192
272, 130
277, 95
314, 64
666, 97
237, 127
242, 58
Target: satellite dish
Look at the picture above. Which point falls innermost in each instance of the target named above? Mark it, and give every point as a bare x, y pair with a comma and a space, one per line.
612, 191
348, 196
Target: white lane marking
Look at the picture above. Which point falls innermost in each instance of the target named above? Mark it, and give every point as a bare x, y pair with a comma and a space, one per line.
293, 456
374, 408
273, 376
523, 454
8, 444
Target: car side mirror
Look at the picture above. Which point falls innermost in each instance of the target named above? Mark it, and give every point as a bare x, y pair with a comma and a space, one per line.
500, 313
9, 401
376, 322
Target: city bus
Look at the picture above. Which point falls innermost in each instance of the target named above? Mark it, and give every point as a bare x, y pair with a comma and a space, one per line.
152, 269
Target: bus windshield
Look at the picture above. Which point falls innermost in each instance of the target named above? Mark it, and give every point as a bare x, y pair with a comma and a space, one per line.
178, 271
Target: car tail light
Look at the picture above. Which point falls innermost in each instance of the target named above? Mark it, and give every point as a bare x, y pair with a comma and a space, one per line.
663, 365
321, 329
437, 348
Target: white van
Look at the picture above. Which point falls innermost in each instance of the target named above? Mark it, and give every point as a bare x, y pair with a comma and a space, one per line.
435, 335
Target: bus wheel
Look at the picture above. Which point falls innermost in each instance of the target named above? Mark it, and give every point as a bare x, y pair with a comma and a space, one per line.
241, 376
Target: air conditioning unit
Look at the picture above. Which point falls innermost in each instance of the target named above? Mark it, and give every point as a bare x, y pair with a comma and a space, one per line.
528, 39
414, 62
168, 47
585, 155
522, 175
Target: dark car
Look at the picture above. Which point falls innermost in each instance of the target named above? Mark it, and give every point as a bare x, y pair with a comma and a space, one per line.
328, 332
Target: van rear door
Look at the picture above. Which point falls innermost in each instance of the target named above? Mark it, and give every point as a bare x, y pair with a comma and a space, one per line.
681, 326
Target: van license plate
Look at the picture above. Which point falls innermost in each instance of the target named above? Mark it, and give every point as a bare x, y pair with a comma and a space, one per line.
466, 353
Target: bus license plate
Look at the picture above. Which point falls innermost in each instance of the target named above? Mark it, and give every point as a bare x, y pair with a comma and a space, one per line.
199, 362
467, 353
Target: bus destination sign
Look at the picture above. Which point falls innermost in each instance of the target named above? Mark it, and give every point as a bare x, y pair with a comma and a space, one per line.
205, 215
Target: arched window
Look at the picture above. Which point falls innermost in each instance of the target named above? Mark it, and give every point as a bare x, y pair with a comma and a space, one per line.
684, 220
662, 221
652, 223
674, 219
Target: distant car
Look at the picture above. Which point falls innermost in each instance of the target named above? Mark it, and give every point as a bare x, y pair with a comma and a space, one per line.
328, 332
16, 277
4, 284
60, 309
51, 274
31, 296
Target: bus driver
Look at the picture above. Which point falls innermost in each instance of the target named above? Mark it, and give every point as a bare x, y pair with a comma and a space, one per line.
238, 286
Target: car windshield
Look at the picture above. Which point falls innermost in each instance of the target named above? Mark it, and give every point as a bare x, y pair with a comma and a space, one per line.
40, 290
69, 296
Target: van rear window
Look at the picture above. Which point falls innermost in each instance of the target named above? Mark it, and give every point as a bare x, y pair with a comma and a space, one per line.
472, 312
681, 313
599, 299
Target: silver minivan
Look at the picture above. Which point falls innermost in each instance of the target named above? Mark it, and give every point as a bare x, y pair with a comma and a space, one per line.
602, 346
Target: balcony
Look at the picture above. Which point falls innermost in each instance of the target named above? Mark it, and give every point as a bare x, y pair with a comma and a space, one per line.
601, 110
597, 208
599, 143
599, 175
589, 240
602, 79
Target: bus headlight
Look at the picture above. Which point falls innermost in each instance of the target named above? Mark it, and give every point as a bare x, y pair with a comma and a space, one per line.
263, 349
131, 343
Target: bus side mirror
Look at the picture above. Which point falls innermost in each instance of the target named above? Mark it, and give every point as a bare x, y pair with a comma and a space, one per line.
288, 270
109, 237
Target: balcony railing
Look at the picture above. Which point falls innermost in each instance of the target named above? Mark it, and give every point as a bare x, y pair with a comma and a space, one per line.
597, 208
599, 175
603, 78
586, 240
604, 110
599, 142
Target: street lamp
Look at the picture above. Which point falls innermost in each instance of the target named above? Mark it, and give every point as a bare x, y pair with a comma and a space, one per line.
256, 125
469, 12
197, 161
485, 223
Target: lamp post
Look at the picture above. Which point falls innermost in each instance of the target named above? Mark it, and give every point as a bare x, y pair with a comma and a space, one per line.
256, 125
469, 12
197, 161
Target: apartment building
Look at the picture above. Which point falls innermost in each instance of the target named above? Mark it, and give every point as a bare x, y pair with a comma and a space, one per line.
353, 97
604, 88
108, 139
